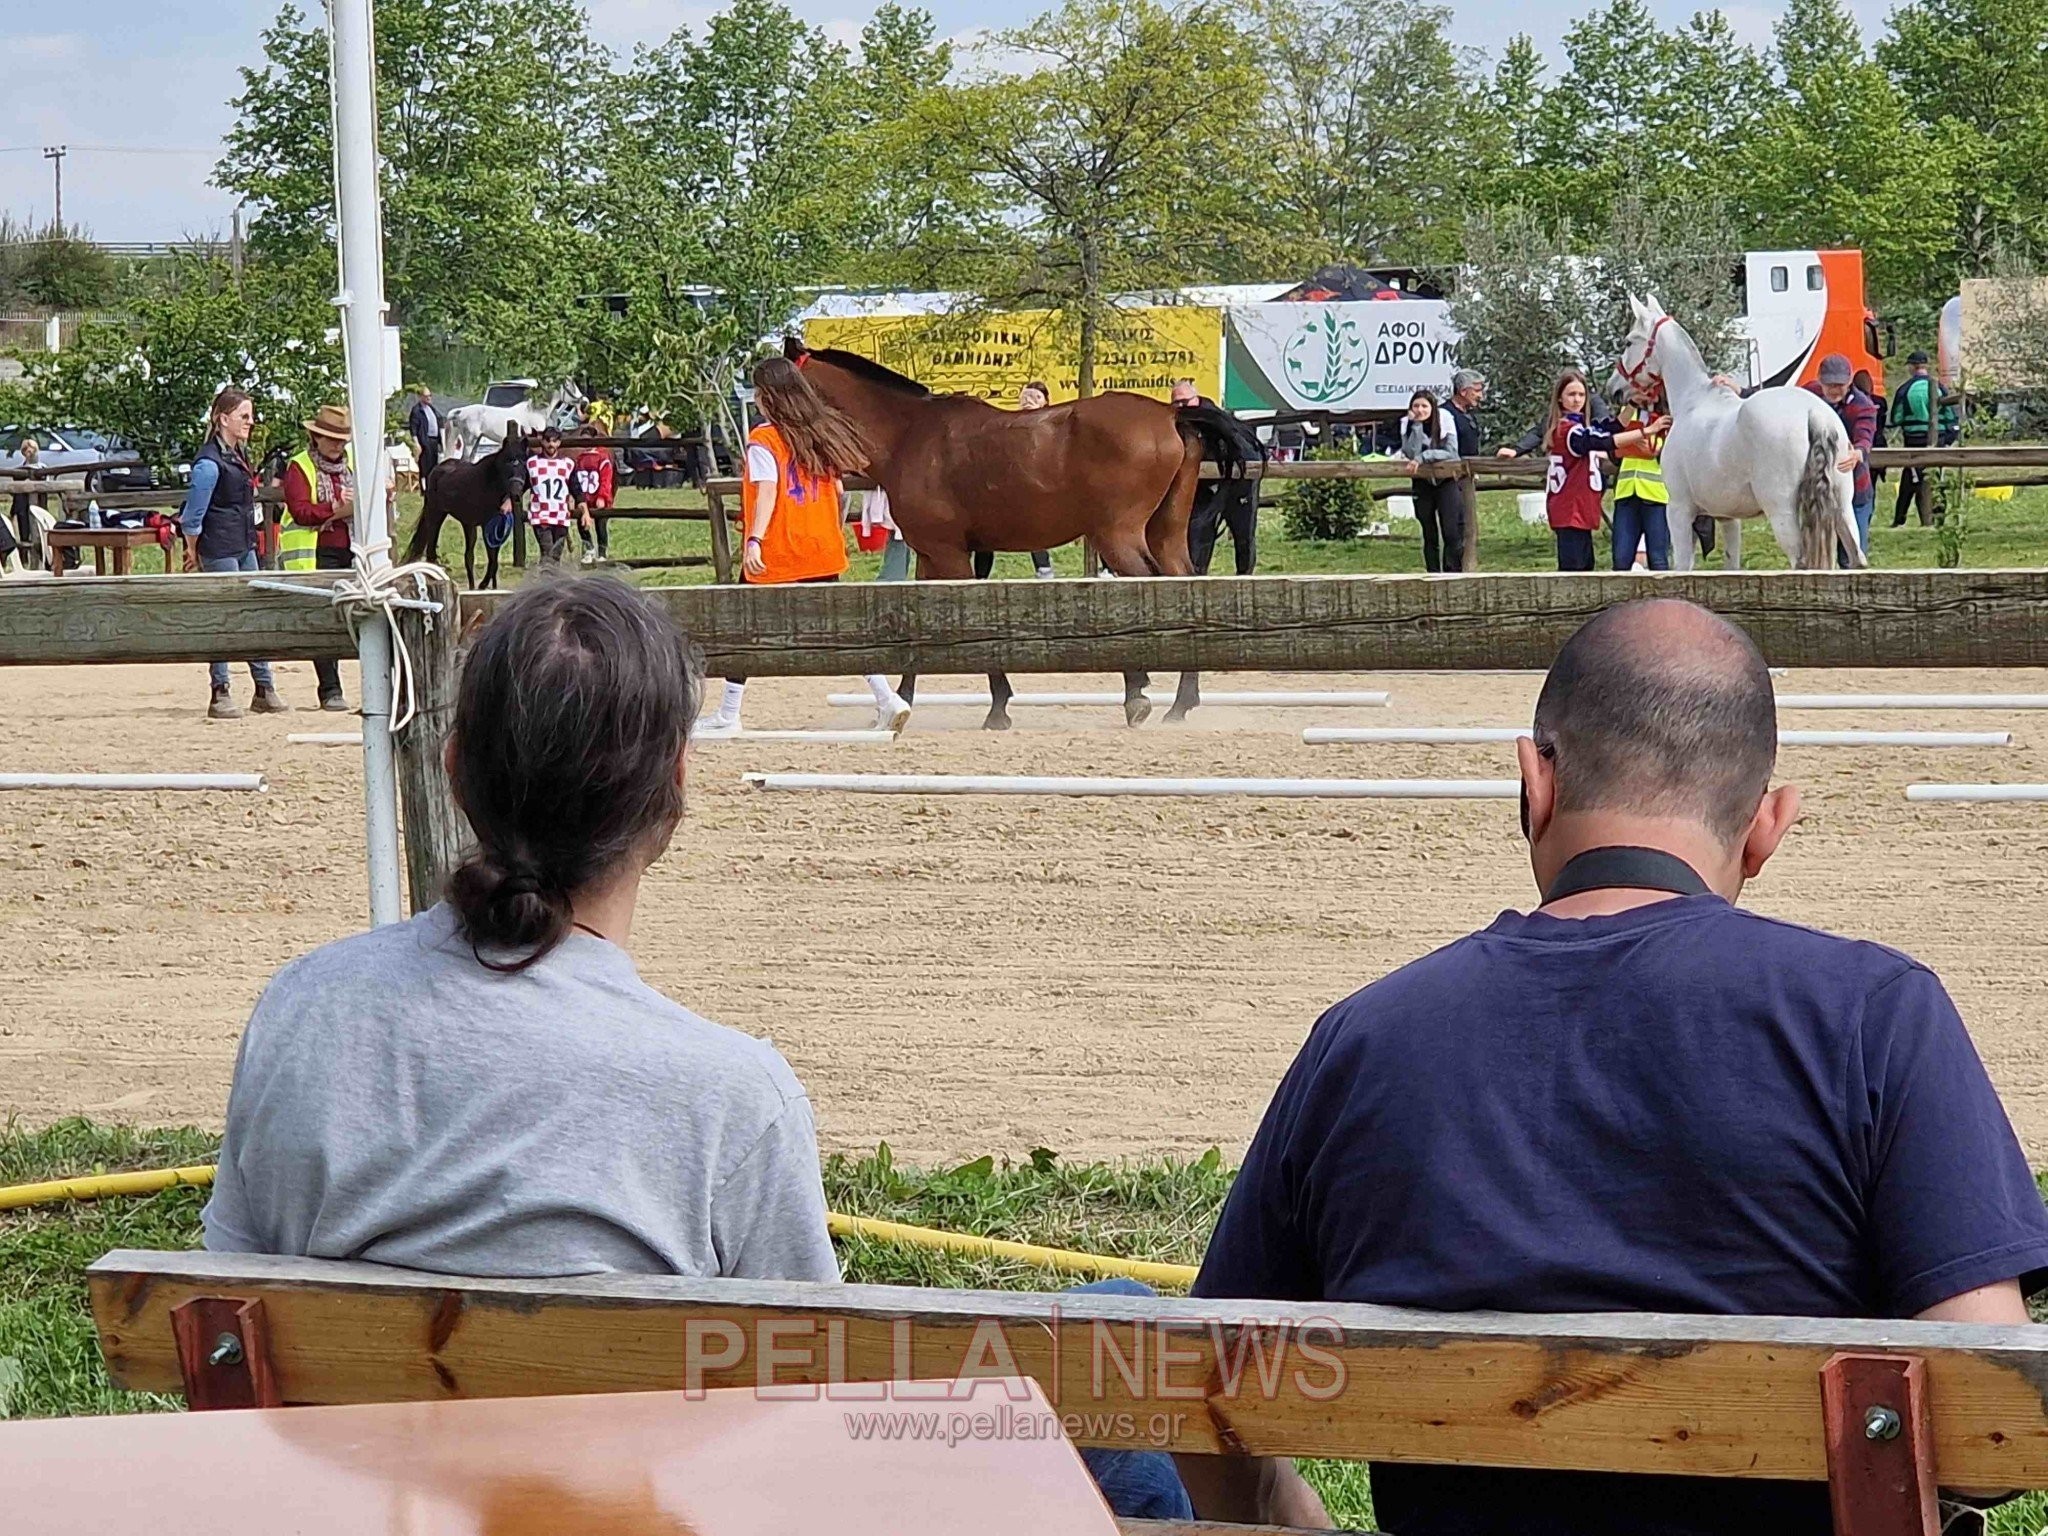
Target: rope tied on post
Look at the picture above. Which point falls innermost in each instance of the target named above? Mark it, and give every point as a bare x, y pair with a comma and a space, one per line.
374, 585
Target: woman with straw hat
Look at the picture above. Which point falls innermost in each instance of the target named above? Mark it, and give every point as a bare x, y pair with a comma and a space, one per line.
319, 499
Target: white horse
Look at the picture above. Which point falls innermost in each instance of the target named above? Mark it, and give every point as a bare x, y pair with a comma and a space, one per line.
1782, 453
473, 432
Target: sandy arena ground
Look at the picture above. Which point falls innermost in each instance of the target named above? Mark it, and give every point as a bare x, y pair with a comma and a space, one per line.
958, 976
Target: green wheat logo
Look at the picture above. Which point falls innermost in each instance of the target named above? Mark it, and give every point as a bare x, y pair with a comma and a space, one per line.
1335, 351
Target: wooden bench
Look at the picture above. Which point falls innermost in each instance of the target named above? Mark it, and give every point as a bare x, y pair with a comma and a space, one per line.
1877, 1409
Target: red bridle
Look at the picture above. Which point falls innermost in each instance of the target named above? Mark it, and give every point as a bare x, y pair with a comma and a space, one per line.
1635, 374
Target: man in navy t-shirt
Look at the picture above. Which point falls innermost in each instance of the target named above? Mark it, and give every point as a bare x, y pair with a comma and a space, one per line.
1637, 1097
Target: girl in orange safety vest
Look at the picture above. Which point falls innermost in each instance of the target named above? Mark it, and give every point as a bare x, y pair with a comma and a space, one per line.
796, 529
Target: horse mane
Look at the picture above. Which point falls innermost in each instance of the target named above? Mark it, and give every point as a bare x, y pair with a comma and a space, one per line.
870, 370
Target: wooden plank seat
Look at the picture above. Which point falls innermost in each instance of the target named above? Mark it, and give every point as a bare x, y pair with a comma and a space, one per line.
1890, 1406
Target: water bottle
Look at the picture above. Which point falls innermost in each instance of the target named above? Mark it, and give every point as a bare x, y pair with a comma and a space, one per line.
92, 514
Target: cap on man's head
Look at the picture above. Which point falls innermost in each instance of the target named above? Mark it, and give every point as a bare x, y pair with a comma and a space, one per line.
1835, 369
1659, 708
1465, 378
1917, 358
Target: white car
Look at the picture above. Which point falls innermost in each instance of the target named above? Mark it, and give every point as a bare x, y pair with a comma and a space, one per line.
68, 447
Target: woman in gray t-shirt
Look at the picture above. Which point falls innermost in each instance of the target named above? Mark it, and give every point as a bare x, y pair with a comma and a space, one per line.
490, 1088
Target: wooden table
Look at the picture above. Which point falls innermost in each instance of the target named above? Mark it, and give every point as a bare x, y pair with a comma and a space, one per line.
113, 549
635, 1464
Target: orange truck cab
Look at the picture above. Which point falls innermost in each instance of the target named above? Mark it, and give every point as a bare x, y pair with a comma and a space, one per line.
1799, 306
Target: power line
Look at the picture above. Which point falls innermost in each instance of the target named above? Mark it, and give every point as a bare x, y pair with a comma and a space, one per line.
107, 149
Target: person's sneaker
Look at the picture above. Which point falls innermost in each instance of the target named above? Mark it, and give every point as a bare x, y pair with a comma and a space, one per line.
590, 557
222, 706
718, 723
267, 702
334, 704
892, 715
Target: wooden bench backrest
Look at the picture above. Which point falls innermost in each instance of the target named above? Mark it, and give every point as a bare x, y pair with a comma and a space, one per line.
1620, 1392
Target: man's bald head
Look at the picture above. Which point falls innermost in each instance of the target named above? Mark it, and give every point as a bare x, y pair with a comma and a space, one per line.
1660, 708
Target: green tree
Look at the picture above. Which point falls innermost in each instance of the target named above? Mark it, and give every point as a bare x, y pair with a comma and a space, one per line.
487, 113
1842, 162
1975, 72
1369, 120
185, 330
1112, 162
1522, 313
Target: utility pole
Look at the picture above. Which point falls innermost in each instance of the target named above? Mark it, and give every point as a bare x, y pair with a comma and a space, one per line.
55, 154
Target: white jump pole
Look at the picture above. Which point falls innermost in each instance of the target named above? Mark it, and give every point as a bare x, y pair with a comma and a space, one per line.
1165, 789
143, 781
1460, 735
359, 230
821, 738
325, 739
1273, 700
1913, 701
1977, 792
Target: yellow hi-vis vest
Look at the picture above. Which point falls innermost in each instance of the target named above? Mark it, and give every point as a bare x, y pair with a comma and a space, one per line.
298, 546
1642, 478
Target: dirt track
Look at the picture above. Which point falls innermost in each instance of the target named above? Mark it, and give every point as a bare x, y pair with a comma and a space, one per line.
957, 976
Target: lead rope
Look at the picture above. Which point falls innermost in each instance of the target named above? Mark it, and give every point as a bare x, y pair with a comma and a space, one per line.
372, 588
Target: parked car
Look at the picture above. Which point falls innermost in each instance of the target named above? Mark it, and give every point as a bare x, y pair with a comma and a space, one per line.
62, 448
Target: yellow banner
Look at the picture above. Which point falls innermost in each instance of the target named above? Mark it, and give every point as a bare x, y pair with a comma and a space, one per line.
993, 356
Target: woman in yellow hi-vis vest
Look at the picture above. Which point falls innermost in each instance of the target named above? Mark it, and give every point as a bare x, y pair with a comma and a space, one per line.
796, 528
319, 511
1640, 500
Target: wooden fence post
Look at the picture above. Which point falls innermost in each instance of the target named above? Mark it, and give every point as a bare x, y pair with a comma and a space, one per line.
1468, 487
436, 832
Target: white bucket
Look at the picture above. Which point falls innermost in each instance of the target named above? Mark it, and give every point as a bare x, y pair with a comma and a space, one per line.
1399, 507
1534, 506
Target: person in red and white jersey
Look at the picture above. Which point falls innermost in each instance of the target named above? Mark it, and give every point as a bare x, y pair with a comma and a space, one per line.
553, 497
595, 479
1575, 484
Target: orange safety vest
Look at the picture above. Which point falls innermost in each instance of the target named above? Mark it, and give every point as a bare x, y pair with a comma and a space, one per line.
806, 534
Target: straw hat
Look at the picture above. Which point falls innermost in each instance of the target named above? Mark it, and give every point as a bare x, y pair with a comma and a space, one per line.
331, 422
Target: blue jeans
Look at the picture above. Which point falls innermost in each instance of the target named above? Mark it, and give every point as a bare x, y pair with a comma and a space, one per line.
1637, 521
1863, 505
247, 561
1137, 1485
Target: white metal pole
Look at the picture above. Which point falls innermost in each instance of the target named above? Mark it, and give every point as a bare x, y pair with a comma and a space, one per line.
1979, 792
138, 781
1470, 735
1913, 701
1026, 784
359, 229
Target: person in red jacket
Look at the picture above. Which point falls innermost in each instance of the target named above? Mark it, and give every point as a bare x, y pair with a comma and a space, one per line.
594, 480
1576, 483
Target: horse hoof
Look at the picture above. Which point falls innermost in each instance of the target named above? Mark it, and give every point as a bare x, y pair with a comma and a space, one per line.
996, 722
1137, 709
1176, 715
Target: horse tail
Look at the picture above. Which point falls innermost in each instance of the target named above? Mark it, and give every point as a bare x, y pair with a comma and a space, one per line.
426, 533
1220, 436
1814, 502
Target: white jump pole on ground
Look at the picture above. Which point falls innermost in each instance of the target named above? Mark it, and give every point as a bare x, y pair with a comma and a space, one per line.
325, 739
1354, 699
142, 781
359, 227
1464, 735
1977, 792
819, 738
1164, 789
1913, 701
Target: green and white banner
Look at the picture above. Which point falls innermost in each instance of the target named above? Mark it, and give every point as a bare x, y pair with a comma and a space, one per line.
1367, 356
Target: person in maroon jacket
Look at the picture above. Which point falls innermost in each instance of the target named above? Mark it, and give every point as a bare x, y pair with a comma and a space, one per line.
595, 480
1859, 414
319, 498
1576, 482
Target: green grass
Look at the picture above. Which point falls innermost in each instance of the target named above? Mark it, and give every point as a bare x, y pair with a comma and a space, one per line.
50, 1362
1998, 535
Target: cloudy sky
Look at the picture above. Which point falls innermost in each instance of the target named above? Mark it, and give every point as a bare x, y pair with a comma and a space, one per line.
156, 77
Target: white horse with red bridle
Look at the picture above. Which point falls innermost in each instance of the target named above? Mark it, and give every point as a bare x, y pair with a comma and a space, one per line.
1781, 454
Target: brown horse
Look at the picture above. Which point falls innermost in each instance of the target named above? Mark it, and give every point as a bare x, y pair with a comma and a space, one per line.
1119, 470
472, 494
